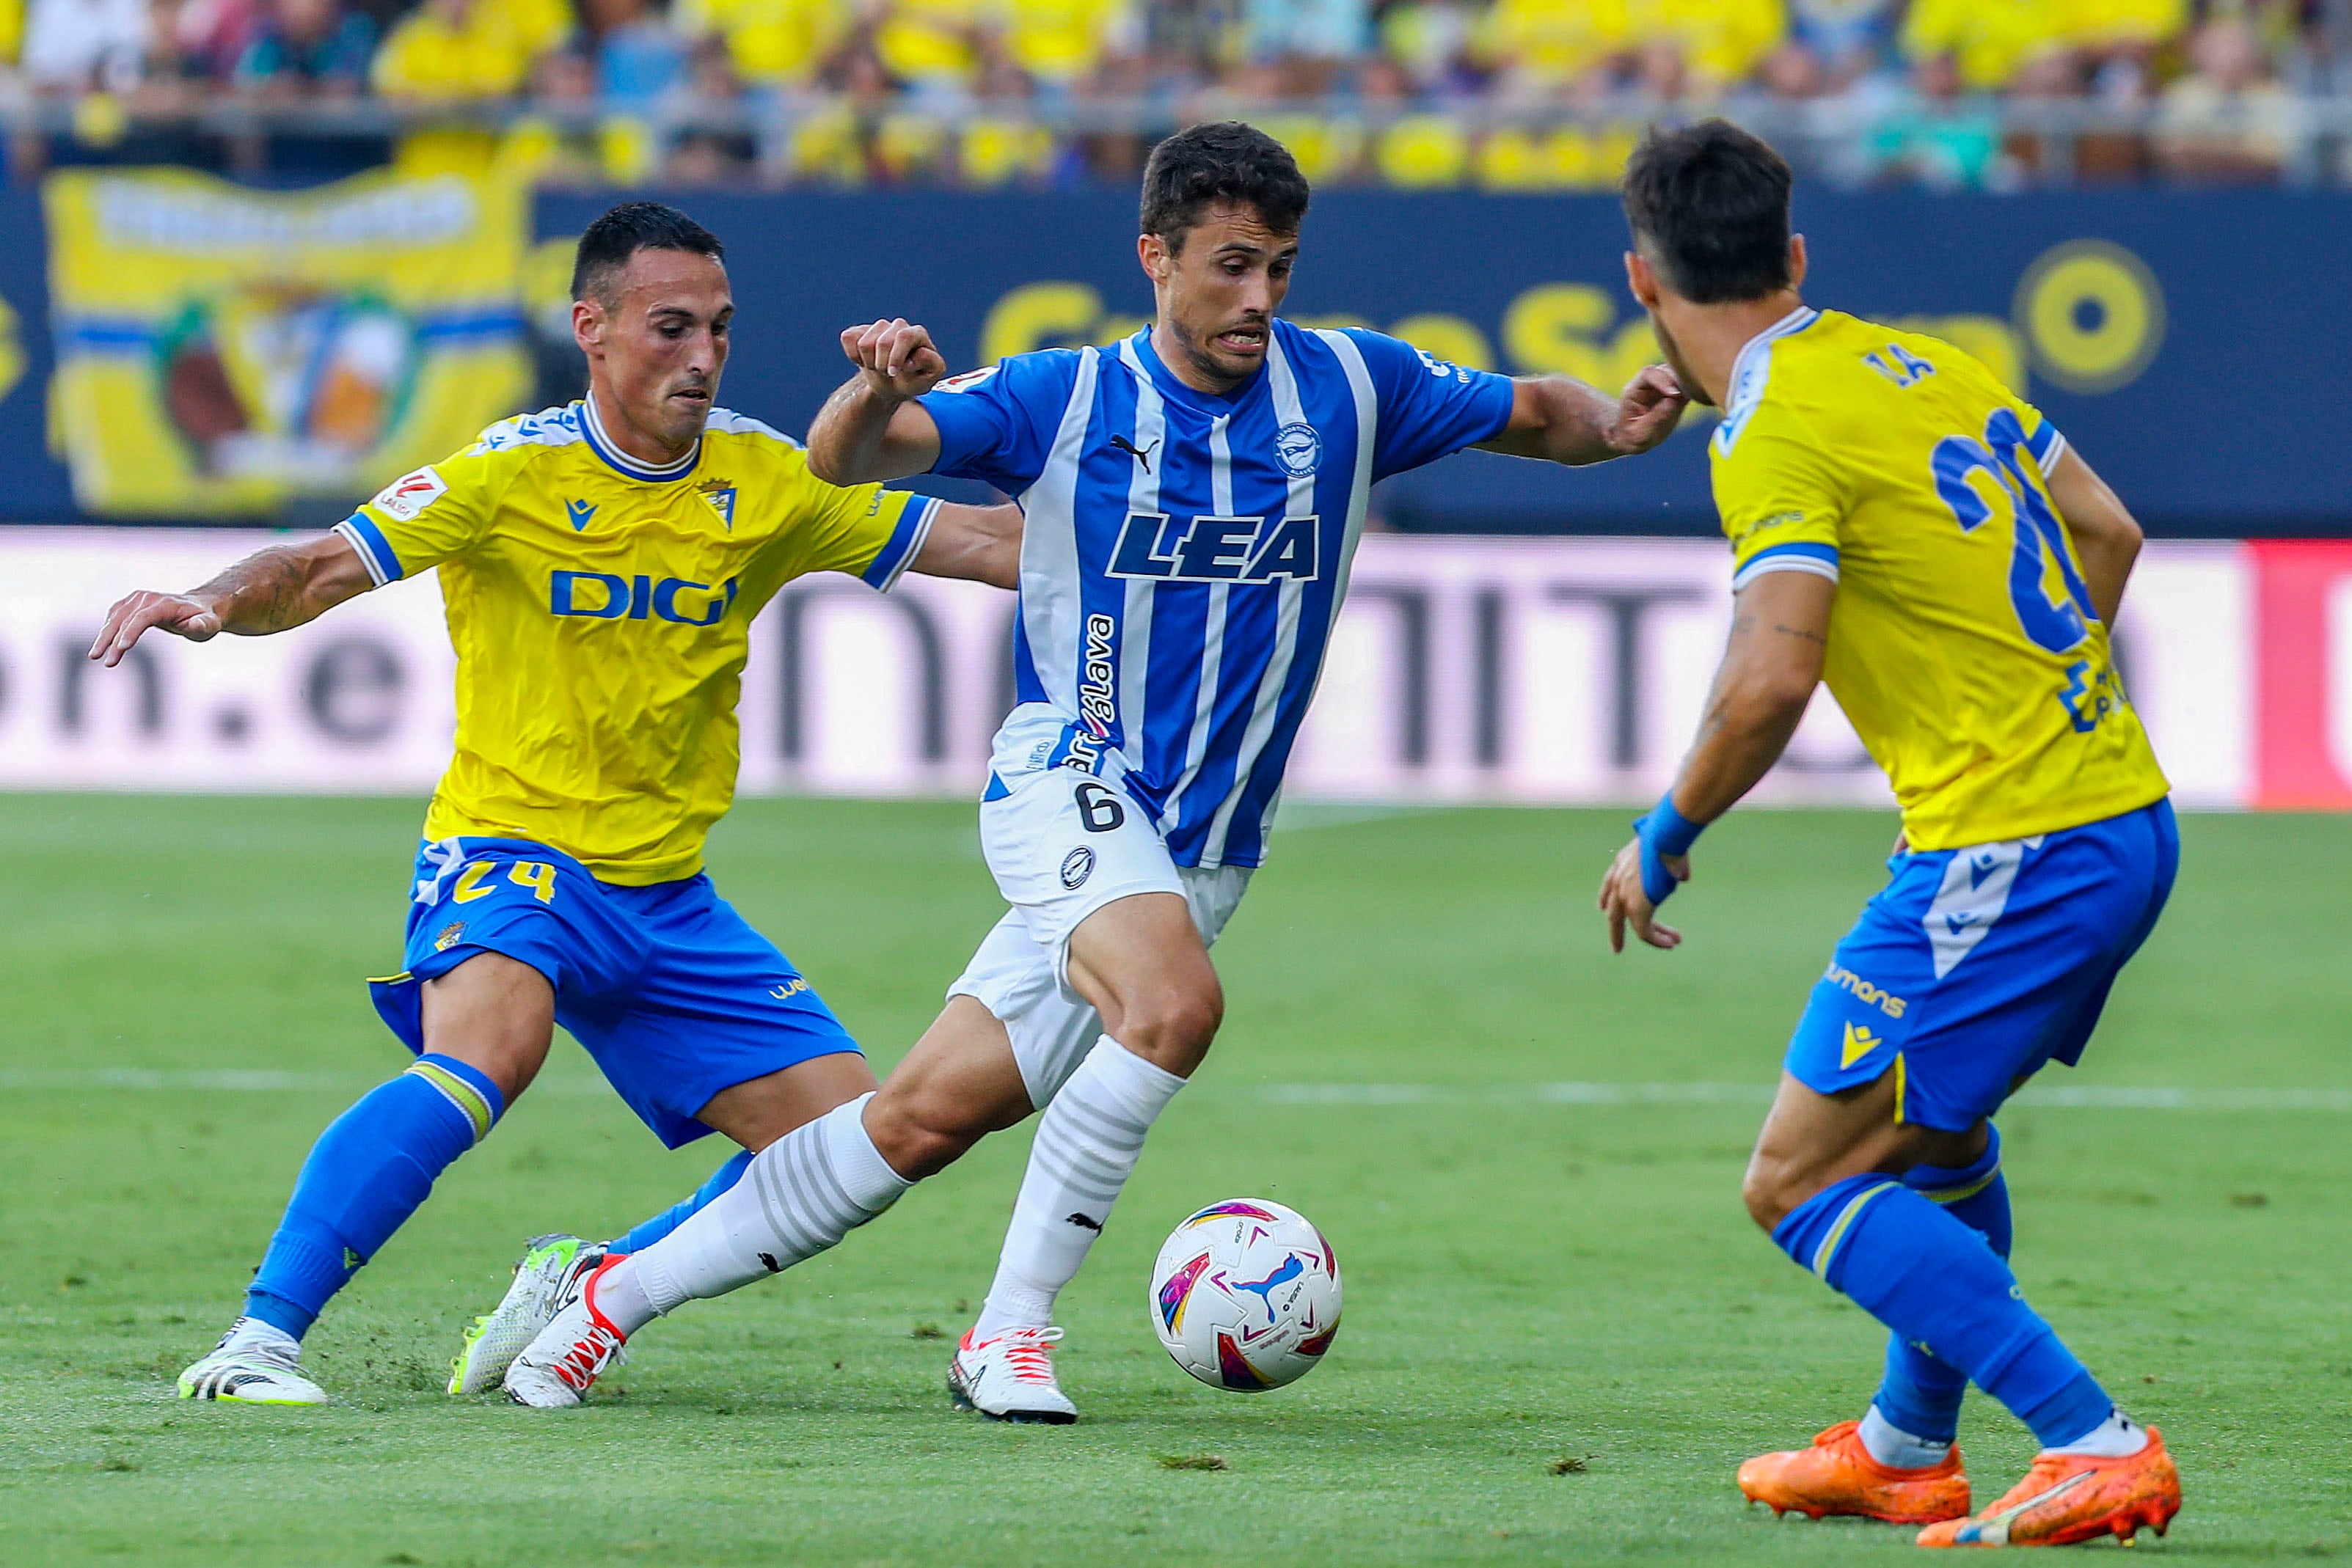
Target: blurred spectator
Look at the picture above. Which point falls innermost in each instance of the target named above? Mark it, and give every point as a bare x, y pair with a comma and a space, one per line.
1989, 41
639, 58
1430, 41
1542, 46
1938, 137
74, 46
1054, 41
771, 43
1702, 46
2228, 118
928, 43
1320, 32
452, 50
1846, 38
306, 49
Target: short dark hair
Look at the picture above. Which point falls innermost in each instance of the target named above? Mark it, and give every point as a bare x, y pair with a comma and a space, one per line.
1226, 161
1709, 203
622, 231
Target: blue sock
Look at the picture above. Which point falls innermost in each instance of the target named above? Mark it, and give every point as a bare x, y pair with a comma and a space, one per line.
1931, 1280
652, 1231
1921, 1393
366, 1174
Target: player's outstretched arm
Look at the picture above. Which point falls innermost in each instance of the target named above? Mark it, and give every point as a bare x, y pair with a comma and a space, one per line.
1780, 635
1562, 420
2105, 536
871, 429
270, 591
979, 543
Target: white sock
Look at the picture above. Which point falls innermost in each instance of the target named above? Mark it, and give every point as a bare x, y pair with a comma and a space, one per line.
1086, 1145
799, 1196
252, 1334
2119, 1437
1895, 1449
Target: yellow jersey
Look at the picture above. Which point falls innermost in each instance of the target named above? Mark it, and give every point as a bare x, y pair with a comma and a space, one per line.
1964, 646
600, 609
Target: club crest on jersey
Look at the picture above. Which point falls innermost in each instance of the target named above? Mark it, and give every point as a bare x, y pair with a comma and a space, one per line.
410, 493
1077, 866
1298, 449
1218, 550
721, 497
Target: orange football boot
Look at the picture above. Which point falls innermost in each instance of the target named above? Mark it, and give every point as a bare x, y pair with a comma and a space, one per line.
2067, 1497
1837, 1475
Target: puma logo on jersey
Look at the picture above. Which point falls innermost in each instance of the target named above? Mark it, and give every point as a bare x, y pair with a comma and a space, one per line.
1218, 550
1141, 455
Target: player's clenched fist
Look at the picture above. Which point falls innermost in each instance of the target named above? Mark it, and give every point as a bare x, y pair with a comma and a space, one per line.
897, 356
1647, 413
135, 614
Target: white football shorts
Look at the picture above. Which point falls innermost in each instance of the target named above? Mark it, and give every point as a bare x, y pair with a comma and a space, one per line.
1062, 845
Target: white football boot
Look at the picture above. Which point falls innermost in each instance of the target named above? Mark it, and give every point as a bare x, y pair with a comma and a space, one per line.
268, 1372
550, 1265
571, 1353
1010, 1377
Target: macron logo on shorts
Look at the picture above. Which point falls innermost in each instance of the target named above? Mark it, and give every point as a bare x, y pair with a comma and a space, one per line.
410, 493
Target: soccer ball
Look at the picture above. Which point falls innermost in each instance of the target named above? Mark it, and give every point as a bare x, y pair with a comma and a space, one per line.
1245, 1295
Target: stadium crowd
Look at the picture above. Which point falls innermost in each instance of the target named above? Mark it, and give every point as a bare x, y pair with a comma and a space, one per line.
1507, 95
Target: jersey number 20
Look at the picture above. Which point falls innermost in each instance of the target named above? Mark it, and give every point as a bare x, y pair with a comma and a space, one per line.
2040, 538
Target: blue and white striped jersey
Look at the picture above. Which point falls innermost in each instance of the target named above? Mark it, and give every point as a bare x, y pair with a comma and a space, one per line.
1186, 553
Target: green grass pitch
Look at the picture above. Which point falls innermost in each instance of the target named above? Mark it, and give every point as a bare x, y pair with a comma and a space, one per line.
1561, 1332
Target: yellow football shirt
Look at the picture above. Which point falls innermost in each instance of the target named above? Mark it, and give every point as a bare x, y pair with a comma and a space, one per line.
601, 611
1964, 647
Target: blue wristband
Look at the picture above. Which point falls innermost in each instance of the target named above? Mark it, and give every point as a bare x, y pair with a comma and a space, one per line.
1664, 831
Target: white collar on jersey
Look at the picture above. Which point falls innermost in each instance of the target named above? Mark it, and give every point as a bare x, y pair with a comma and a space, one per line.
603, 447
1751, 369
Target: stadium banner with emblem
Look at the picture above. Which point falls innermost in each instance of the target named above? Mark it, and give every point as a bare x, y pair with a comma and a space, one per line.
223, 351
2132, 317
1463, 670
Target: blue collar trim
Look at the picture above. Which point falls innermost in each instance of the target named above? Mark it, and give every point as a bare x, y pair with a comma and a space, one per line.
591, 429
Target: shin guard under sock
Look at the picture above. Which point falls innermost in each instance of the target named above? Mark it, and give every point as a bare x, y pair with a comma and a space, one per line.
366, 1175
1932, 1279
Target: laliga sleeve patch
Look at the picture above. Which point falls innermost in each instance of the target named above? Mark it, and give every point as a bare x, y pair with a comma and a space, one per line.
967, 381
410, 493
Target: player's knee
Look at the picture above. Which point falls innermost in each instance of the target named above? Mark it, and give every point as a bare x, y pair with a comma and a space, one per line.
1772, 1190
1171, 1025
919, 1134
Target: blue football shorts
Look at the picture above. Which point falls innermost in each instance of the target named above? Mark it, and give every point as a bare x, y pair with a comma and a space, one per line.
1974, 966
672, 992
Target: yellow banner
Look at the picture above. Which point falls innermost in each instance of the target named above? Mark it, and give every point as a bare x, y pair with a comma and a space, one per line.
222, 351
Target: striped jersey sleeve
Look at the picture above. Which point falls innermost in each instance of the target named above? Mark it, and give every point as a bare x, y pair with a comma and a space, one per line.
428, 515
1781, 497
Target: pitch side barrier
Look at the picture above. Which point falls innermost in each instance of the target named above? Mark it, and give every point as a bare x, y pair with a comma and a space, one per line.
1464, 669
177, 348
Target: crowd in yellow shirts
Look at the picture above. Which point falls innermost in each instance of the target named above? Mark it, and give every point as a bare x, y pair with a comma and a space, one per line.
1507, 95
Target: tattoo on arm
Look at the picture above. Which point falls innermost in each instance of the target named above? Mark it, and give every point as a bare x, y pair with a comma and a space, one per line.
1803, 636
264, 592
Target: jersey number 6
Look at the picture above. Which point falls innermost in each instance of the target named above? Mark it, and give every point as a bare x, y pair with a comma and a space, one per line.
1098, 809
